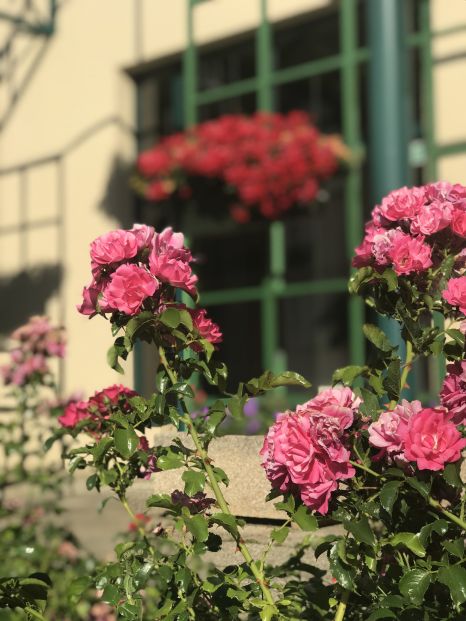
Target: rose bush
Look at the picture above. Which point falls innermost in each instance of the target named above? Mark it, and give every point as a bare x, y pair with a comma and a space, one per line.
385, 470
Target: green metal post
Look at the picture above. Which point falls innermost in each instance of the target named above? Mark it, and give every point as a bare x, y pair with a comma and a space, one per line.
272, 358
353, 181
388, 143
190, 69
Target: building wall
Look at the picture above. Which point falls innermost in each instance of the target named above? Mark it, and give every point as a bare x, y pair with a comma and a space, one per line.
68, 100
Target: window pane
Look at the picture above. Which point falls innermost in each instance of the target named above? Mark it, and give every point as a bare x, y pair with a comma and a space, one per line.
315, 238
241, 346
232, 257
319, 95
313, 333
226, 65
244, 104
160, 104
306, 41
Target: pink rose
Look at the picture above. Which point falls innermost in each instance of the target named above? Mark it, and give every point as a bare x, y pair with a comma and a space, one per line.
432, 440
402, 204
339, 402
363, 255
169, 261
275, 470
207, 329
75, 412
111, 396
114, 246
129, 286
389, 430
382, 244
144, 235
303, 451
458, 222
410, 254
91, 303
453, 393
432, 218
455, 293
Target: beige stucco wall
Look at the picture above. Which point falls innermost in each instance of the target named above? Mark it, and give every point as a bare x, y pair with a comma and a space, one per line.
78, 103
449, 73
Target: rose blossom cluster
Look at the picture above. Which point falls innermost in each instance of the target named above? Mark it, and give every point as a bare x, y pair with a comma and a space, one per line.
99, 407
140, 269
35, 343
427, 436
305, 453
270, 161
130, 267
412, 227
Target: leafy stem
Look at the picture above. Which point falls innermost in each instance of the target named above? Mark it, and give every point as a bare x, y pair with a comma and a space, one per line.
222, 503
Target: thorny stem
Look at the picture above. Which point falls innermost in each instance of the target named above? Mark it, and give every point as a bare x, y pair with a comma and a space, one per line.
451, 516
222, 503
132, 515
340, 613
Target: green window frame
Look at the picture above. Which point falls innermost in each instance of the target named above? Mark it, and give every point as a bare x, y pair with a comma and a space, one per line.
347, 62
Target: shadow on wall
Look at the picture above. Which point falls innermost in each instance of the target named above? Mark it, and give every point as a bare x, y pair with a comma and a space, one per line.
119, 199
26, 294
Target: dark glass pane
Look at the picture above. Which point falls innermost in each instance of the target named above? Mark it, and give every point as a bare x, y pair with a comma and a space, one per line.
306, 40
315, 239
160, 104
319, 95
232, 257
241, 346
244, 104
226, 65
313, 333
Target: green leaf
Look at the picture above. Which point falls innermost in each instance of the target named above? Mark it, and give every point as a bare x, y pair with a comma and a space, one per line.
280, 534
389, 494
361, 531
438, 526
414, 584
194, 481
160, 500
227, 521
214, 419
451, 474
304, 519
410, 541
111, 595
198, 527
112, 360
170, 318
392, 380
382, 613
236, 406
454, 577
92, 482
268, 381
78, 586
455, 547
170, 461
348, 374
289, 378
267, 613
126, 442
342, 573
370, 404
101, 448
377, 337
422, 487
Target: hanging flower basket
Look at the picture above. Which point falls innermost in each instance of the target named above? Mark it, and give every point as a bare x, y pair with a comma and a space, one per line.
258, 166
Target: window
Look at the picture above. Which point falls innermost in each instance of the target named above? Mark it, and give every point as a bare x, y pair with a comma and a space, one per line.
279, 290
